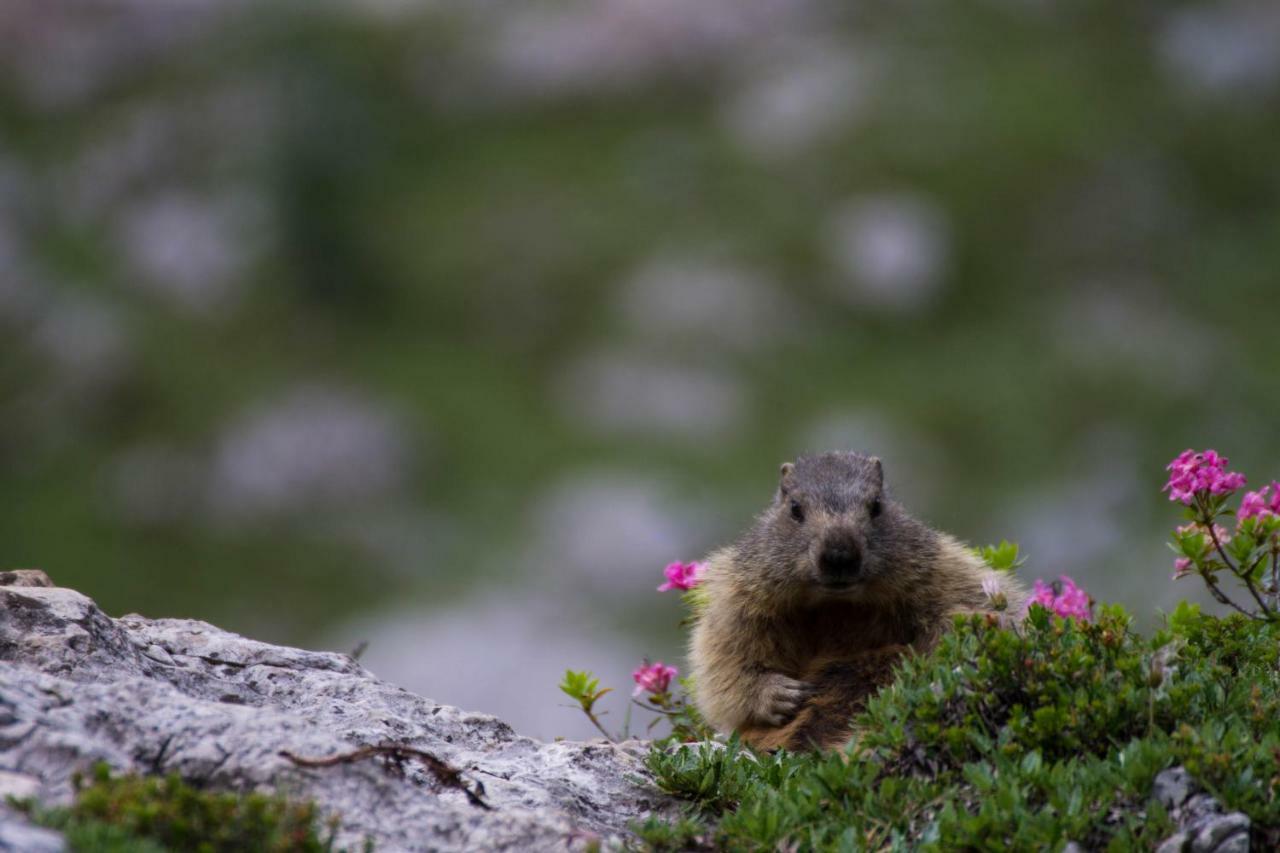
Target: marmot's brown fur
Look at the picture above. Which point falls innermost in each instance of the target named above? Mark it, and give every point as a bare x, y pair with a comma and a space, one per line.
804, 617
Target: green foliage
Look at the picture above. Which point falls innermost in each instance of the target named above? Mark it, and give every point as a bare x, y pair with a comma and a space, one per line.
1057, 685
687, 833
677, 709
138, 814
1012, 740
1185, 618
1003, 557
582, 687
674, 707
695, 599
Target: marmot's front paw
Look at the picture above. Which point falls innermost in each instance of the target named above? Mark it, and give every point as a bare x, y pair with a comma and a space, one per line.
780, 698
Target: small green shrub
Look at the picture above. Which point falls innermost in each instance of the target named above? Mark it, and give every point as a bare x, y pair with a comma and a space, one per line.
1048, 733
1005, 739
1058, 686
139, 814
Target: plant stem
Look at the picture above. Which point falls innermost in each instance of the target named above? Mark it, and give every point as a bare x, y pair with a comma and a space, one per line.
1275, 573
1222, 598
595, 721
1275, 563
1248, 581
1253, 590
1207, 523
1269, 612
657, 709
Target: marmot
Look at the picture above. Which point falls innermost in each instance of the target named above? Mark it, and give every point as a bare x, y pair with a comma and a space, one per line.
803, 618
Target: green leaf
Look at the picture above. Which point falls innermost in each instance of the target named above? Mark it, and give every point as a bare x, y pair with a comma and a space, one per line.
1003, 557
1184, 619
580, 685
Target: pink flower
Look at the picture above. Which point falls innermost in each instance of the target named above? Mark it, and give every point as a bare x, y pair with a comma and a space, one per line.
653, 678
1228, 483
1254, 504
1063, 597
1182, 567
1191, 473
682, 576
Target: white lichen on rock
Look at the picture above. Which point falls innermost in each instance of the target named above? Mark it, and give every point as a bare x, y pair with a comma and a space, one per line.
177, 695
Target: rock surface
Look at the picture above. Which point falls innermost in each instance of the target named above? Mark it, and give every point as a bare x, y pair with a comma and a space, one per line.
1203, 827
175, 695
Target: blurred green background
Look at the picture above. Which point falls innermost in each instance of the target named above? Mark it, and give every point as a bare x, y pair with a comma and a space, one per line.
444, 327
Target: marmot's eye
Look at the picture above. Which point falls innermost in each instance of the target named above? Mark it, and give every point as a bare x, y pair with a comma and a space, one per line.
875, 508
797, 511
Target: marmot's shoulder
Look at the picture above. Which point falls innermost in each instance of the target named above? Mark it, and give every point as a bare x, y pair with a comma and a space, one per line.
960, 580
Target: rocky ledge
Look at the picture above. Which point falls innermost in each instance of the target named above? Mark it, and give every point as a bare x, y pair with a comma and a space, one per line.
161, 696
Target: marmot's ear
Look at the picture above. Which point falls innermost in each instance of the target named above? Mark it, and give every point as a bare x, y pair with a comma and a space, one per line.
877, 470
785, 477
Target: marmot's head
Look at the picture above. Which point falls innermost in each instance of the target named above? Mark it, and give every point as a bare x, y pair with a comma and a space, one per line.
831, 530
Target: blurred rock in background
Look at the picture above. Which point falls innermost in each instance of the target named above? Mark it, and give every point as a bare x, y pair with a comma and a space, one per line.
445, 327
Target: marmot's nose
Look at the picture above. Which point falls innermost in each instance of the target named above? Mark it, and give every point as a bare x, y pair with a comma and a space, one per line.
840, 561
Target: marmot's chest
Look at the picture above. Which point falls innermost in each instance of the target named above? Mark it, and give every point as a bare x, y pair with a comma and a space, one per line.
836, 629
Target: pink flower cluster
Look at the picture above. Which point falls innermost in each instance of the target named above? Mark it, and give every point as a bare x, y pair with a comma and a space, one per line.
653, 678
681, 576
1063, 597
1256, 504
1194, 472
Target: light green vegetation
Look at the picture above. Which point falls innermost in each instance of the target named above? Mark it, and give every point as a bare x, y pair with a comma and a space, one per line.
136, 814
1002, 740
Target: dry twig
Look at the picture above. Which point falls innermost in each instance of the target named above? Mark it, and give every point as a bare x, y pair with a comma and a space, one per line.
397, 755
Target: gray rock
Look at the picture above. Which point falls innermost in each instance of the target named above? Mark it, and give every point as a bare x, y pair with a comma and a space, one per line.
314, 448
1172, 787
612, 392
1176, 843
19, 836
85, 340
1203, 828
610, 531
24, 577
1238, 843
560, 51
698, 300
190, 249
16, 832
1222, 833
892, 251
801, 94
19, 786
1225, 51
1199, 808
170, 695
